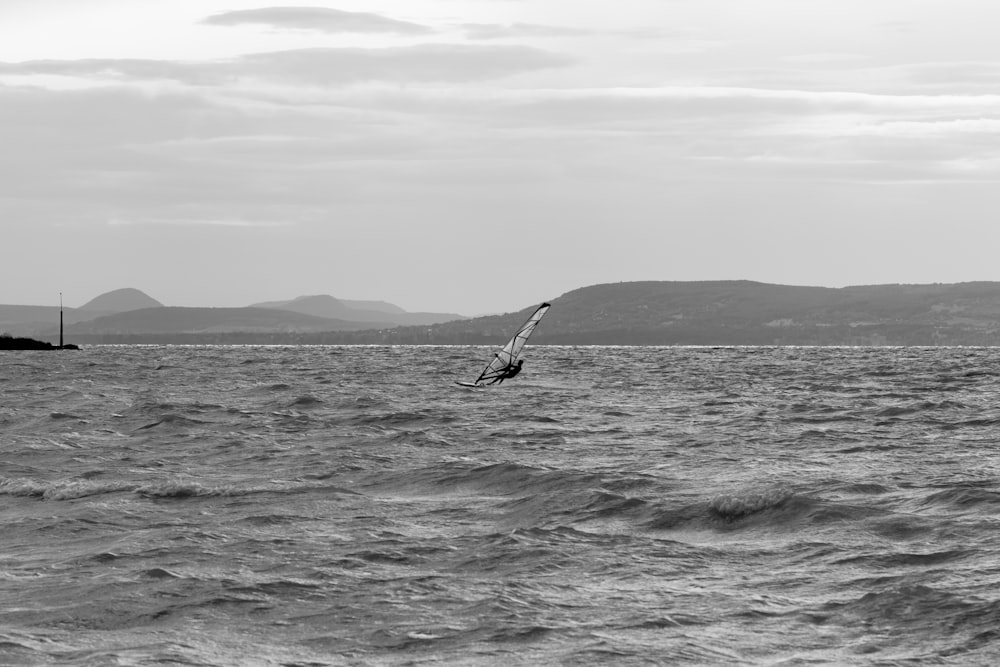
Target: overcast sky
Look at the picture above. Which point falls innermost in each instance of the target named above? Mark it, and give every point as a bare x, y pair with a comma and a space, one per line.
477, 156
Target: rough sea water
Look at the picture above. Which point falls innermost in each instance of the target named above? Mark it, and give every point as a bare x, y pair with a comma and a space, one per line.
628, 506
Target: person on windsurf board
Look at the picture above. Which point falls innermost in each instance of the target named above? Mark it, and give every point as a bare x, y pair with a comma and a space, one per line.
505, 363
508, 372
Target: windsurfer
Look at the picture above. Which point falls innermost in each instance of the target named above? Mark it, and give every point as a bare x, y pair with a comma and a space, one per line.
502, 365
508, 371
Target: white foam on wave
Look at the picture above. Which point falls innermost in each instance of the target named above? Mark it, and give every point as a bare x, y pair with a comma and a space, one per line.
62, 489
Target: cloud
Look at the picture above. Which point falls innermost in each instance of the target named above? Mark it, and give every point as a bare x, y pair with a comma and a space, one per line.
900, 26
979, 127
824, 58
188, 222
954, 73
320, 19
488, 31
320, 66
834, 72
120, 69
98, 148
428, 62
257, 154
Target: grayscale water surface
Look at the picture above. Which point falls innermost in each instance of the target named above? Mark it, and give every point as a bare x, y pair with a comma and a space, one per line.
353, 506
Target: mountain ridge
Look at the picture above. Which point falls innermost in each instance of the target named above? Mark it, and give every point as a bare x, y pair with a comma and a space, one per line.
740, 312
120, 300
324, 305
730, 312
194, 320
130, 312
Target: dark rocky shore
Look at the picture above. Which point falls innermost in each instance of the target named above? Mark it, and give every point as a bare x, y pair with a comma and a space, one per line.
18, 343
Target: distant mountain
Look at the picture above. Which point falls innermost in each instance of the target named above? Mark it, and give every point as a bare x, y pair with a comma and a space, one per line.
174, 320
29, 320
739, 313
357, 311
379, 306
127, 313
120, 301
320, 305
20, 320
635, 313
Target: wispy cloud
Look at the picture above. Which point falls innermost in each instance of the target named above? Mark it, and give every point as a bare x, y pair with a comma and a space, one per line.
319, 19
321, 66
427, 62
195, 222
981, 127
488, 31
951, 74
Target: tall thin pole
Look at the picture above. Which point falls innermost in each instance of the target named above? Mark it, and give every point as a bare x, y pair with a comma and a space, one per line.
60, 320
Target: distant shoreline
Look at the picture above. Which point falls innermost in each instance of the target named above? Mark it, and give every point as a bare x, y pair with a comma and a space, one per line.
645, 313
21, 343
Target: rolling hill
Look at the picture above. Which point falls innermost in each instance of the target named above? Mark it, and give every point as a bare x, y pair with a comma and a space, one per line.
632, 313
129, 314
120, 301
324, 305
176, 319
741, 313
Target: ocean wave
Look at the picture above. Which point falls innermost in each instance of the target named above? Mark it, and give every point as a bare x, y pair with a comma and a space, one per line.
739, 506
82, 488
518, 479
189, 489
978, 422
61, 490
963, 496
575, 506
630, 483
274, 519
173, 421
22, 487
605, 504
306, 401
776, 507
182, 488
413, 438
396, 419
160, 573
906, 559
503, 479
907, 607
22, 650
277, 588
63, 415
541, 524
861, 488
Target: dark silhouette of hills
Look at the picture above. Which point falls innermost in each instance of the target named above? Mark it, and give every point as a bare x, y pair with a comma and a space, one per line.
176, 319
739, 313
369, 311
380, 306
43, 321
130, 315
120, 301
634, 313
8, 342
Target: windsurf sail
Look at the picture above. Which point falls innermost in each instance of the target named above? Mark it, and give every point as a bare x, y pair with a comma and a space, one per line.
507, 355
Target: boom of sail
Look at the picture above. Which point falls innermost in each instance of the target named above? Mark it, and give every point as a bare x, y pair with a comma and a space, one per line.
507, 355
